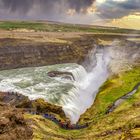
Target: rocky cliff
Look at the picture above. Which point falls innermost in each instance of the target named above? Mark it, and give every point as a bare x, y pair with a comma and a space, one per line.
13, 125
17, 53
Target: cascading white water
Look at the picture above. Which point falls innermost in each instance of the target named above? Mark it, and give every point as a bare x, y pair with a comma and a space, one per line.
75, 96
83, 94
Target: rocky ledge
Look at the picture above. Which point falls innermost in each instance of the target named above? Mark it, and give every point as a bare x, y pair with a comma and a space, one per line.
38, 106
14, 107
17, 53
12, 124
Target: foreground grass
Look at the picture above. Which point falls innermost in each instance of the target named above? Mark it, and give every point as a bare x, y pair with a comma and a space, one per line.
55, 27
123, 123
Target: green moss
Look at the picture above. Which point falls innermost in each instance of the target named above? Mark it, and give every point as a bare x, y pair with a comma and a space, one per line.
134, 101
112, 89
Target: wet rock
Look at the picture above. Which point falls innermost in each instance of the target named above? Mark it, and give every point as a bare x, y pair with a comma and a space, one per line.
65, 75
15, 99
41, 106
38, 106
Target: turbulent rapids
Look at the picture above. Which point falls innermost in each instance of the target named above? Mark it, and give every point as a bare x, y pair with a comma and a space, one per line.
74, 95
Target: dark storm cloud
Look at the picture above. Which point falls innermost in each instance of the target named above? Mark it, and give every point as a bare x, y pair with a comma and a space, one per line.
47, 5
57, 9
129, 4
41, 9
78, 4
116, 9
17, 5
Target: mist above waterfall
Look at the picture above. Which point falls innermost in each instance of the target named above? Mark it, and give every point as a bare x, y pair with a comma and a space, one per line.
75, 96
83, 94
101, 62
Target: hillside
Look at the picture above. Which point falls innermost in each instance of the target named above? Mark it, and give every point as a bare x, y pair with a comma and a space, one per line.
60, 27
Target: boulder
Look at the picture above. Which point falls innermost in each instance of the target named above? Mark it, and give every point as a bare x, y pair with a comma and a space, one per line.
65, 75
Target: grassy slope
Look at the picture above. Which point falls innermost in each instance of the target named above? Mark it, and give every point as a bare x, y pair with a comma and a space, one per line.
54, 27
112, 89
121, 124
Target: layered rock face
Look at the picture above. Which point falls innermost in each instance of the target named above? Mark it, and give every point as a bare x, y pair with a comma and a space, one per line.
17, 53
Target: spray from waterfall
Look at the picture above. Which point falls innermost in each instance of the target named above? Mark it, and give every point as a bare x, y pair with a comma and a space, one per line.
82, 96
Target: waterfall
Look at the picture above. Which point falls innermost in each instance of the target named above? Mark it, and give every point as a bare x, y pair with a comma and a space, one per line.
79, 73
82, 96
75, 96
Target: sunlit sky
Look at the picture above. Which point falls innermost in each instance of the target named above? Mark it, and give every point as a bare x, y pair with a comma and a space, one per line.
120, 13
129, 11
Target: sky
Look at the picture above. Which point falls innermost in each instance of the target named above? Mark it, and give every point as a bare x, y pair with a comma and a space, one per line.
119, 13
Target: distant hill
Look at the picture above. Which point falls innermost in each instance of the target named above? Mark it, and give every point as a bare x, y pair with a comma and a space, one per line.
50, 26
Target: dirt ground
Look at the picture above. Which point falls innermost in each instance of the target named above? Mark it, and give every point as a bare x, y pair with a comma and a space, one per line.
59, 37
40, 36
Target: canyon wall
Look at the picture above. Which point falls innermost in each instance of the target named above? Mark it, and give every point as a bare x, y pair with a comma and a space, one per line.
17, 53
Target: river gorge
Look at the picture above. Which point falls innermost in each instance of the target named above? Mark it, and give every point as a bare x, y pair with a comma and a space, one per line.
69, 93
70, 75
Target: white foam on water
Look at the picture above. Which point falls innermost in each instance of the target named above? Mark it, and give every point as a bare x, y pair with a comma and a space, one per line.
75, 96
35, 83
81, 97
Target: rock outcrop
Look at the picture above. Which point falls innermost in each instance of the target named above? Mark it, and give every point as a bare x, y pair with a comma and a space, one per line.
13, 126
38, 106
17, 53
65, 75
